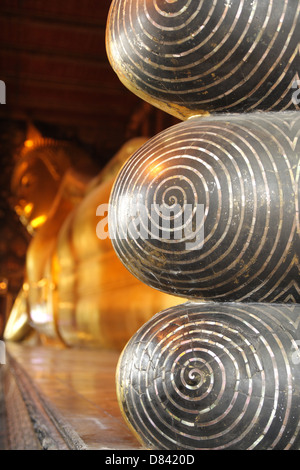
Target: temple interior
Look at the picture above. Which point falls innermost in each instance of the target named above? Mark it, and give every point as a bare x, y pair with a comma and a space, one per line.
149, 225
61, 91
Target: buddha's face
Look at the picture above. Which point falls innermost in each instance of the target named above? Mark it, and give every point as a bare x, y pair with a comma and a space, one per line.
34, 189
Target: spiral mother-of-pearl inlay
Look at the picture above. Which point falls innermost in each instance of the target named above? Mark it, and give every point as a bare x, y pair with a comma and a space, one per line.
192, 57
243, 170
214, 376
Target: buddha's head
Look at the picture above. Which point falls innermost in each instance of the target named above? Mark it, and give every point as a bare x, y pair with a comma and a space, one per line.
37, 177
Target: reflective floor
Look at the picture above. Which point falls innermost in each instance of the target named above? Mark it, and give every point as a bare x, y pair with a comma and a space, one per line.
80, 385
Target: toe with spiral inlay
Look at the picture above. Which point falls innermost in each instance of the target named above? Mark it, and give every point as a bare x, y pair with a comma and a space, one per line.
195, 57
214, 376
209, 209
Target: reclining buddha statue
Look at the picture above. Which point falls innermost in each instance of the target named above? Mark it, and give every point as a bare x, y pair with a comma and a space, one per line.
76, 291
